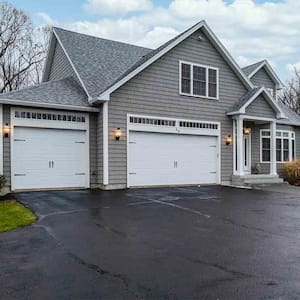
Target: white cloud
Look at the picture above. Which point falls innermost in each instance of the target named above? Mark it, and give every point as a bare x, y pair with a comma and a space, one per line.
112, 7
251, 31
46, 18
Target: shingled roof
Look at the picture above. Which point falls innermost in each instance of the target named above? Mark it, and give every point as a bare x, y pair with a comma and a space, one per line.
64, 92
99, 62
249, 69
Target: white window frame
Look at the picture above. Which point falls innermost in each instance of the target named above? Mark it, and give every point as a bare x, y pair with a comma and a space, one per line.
291, 137
192, 79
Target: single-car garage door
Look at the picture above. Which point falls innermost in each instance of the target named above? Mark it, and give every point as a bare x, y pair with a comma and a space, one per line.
49, 158
171, 159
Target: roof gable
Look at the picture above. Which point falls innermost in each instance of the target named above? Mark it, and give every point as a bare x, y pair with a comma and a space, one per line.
251, 96
154, 55
253, 69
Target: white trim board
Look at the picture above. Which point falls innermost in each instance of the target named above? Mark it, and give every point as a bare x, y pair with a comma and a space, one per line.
105, 96
48, 105
105, 143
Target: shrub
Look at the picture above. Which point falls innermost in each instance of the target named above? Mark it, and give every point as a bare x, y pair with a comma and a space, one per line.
292, 170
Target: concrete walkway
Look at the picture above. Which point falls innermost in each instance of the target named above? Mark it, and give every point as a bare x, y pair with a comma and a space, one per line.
279, 188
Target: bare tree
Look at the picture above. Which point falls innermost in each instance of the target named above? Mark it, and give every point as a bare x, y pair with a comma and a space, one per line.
291, 93
21, 54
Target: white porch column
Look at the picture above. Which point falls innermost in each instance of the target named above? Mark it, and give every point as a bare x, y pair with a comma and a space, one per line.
239, 146
273, 165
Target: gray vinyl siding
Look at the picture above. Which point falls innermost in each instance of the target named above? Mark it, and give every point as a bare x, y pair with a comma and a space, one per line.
93, 149
260, 108
155, 91
100, 147
60, 67
6, 147
261, 78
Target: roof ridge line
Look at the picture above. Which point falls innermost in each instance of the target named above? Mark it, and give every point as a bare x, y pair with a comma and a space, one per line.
98, 37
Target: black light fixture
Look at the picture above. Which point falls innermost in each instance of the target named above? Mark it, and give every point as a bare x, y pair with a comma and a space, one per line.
118, 134
6, 130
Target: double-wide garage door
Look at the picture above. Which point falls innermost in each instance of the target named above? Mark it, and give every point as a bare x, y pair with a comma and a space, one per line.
172, 159
48, 158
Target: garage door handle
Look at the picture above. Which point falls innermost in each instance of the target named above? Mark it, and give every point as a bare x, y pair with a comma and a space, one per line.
52, 163
49, 164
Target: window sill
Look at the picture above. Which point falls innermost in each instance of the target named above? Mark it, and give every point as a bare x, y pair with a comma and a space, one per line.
202, 97
277, 162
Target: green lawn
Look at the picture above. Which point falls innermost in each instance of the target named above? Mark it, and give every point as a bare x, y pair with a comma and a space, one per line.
14, 215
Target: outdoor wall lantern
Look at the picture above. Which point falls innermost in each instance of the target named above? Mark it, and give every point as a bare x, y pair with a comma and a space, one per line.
118, 134
6, 130
228, 139
247, 130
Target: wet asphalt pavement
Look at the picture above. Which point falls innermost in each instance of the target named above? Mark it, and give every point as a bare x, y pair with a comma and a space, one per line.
167, 243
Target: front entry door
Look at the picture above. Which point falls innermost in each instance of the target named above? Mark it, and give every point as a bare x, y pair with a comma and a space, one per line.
247, 153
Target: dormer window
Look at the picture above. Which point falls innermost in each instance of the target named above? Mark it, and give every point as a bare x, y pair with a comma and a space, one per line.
199, 81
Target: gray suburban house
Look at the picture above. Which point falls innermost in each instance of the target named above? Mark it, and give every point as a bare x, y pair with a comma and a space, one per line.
113, 115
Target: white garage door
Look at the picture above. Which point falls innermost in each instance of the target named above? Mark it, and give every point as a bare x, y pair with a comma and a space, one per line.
170, 159
48, 158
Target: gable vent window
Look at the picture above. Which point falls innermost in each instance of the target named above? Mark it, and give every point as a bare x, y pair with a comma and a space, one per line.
150, 121
199, 81
49, 117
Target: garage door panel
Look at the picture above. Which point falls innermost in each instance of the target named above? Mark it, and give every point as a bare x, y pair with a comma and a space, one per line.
166, 159
35, 149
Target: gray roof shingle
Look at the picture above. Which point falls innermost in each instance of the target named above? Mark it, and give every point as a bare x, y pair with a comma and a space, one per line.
244, 99
293, 117
65, 92
99, 62
249, 69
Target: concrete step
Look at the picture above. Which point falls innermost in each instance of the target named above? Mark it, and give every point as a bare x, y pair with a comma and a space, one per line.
263, 179
254, 179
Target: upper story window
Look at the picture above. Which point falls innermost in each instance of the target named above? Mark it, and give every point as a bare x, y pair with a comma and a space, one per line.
199, 81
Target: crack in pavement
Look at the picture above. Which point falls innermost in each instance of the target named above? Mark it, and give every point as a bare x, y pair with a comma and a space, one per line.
222, 268
229, 221
123, 278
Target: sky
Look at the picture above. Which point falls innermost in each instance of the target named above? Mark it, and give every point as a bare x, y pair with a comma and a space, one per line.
251, 30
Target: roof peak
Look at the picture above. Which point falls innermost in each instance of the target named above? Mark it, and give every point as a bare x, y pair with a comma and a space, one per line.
256, 63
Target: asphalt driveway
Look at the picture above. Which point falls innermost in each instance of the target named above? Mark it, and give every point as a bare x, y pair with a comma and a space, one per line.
168, 243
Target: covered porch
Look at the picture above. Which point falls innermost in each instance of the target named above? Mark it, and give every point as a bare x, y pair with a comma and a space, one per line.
249, 167
254, 139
